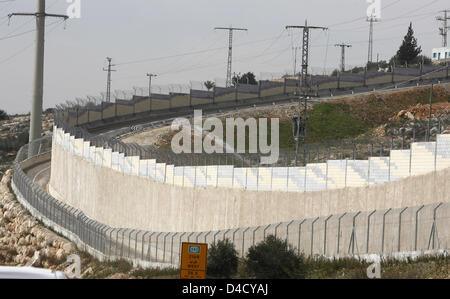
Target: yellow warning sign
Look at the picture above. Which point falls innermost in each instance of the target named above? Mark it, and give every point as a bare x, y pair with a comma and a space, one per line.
193, 261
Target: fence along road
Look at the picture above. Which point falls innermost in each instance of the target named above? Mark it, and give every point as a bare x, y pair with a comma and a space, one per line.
419, 229
384, 232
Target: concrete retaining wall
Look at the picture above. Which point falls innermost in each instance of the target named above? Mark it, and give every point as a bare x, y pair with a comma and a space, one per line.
126, 192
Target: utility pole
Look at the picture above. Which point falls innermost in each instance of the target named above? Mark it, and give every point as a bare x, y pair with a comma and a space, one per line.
295, 59
444, 29
371, 20
343, 46
303, 81
150, 76
38, 90
428, 135
108, 80
230, 50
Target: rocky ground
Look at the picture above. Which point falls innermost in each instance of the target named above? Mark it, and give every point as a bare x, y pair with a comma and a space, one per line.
14, 134
23, 241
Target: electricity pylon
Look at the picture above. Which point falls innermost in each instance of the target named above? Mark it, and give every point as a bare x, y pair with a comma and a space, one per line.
303, 81
230, 50
444, 29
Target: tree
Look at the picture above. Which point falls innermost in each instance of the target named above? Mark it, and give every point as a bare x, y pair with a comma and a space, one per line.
335, 73
49, 111
423, 59
209, 85
222, 260
274, 259
409, 50
357, 70
247, 78
3, 115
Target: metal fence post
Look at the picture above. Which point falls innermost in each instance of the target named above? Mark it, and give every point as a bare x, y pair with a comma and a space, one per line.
300, 234
353, 239
434, 232
198, 235
287, 232
164, 248
339, 232
243, 241
123, 238
171, 248
254, 231
264, 232
143, 242
400, 227
325, 235
312, 235
368, 230
417, 227
156, 255
135, 244
149, 249
110, 237
180, 245
384, 225
225, 234
276, 228
206, 235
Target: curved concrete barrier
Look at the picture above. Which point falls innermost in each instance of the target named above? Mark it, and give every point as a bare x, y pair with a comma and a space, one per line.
121, 195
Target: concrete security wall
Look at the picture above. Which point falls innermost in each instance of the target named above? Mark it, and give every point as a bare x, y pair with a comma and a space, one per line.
394, 233
140, 104
152, 196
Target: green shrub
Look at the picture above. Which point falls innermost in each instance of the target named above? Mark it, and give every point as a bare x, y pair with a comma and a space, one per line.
328, 121
274, 259
3, 115
222, 260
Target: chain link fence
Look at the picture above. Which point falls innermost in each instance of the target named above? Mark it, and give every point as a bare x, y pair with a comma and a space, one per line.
387, 232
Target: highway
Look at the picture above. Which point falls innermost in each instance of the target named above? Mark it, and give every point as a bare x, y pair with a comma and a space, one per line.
40, 174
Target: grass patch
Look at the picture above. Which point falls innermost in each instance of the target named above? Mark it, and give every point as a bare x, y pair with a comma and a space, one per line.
155, 273
328, 121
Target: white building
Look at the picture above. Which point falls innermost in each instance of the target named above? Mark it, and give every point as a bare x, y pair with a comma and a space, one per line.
440, 54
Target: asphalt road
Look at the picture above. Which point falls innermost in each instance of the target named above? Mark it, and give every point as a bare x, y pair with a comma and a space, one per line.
40, 174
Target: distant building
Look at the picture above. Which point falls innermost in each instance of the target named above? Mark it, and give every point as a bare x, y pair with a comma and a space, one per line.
441, 54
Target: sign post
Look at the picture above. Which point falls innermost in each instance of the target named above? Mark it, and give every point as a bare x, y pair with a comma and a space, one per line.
193, 261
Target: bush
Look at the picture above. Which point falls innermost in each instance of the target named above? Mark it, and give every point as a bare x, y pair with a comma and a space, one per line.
3, 115
273, 259
222, 260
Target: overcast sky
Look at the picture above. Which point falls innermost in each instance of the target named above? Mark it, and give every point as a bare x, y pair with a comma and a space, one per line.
141, 35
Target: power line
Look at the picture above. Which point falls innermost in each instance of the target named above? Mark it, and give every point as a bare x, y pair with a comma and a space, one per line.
28, 46
192, 53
